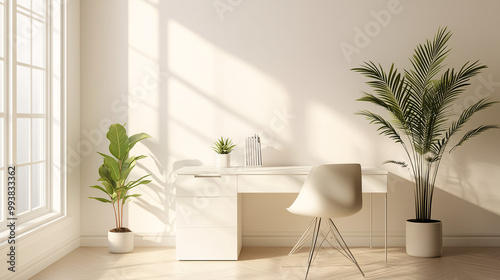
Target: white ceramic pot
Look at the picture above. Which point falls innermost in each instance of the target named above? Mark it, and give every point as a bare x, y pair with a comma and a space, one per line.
223, 160
120, 242
424, 239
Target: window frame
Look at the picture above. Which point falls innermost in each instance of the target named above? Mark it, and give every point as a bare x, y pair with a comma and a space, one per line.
4, 119
45, 67
53, 204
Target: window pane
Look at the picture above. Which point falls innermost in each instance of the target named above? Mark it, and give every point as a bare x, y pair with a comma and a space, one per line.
24, 3
3, 151
38, 7
23, 89
38, 139
2, 87
56, 40
56, 142
3, 183
38, 40
56, 99
23, 188
23, 140
38, 88
38, 185
23, 38
55, 187
2, 31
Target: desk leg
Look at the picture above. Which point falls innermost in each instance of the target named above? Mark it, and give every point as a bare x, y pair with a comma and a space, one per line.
385, 227
371, 222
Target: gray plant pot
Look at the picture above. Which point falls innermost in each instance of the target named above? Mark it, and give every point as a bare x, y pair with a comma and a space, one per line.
424, 239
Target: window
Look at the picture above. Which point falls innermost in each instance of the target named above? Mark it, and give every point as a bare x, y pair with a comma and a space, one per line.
3, 114
31, 109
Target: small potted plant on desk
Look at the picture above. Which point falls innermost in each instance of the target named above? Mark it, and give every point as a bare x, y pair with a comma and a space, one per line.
113, 176
223, 148
420, 105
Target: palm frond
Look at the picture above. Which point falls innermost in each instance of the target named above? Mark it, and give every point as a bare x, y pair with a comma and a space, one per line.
400, 163
467, 114
474, 132
439, 146
389, 88
385, 127
427, 60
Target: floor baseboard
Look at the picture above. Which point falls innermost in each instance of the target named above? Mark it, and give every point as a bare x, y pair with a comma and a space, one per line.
140, 240
279, 240
45, 260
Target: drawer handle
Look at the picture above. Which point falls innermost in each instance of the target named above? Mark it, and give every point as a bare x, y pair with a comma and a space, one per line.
208, 176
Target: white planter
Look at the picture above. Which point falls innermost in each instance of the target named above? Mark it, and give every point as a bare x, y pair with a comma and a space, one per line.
424, 239
120, 242
223, 160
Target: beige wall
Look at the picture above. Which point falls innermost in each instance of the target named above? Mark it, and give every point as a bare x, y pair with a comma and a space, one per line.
187, 72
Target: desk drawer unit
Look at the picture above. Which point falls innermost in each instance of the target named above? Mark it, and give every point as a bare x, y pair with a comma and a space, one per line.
290, 183
206, 212
208, 227
207, 244
206, 185
270, 183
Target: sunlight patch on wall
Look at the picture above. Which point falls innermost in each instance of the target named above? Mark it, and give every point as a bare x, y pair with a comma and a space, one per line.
143, 100
143, 66
331, 137
212, 92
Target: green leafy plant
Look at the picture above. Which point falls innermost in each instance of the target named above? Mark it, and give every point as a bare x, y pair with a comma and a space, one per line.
223, 146
420, 107
115, 170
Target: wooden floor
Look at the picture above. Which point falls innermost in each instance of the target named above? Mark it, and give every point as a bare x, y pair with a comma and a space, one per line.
273, 263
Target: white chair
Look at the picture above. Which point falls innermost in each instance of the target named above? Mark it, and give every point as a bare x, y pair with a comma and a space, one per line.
330, 191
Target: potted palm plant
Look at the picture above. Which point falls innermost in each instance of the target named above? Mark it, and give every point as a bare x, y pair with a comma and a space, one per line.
419, 103
223, 148
114, 174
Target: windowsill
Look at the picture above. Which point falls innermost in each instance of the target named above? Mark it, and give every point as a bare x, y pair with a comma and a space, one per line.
29, 227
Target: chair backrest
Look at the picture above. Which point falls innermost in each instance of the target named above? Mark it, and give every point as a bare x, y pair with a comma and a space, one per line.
330, 190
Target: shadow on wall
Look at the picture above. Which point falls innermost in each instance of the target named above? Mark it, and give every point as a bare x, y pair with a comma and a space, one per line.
459, 217
164, 190
182, 163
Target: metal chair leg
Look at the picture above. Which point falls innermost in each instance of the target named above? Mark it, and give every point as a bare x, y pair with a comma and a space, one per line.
303, 239
339, 242
307, 235
343, 245
317, 226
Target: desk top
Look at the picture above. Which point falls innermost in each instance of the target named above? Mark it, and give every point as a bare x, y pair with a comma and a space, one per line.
264, 170
280, 179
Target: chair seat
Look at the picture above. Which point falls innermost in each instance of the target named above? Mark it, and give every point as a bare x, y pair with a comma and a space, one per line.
330, 191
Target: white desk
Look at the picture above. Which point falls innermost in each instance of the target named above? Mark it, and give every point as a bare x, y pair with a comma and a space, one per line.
209, 204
